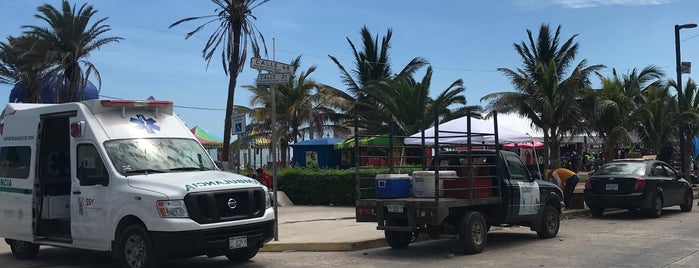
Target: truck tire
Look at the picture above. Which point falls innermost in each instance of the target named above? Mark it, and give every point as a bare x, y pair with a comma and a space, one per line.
398, 239
597, 211
656, 208
550, 222
473, 233
242, 254
23, 250
135, 248
689, 202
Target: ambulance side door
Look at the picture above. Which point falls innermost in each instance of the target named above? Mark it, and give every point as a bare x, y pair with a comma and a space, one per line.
91, 198
16, 192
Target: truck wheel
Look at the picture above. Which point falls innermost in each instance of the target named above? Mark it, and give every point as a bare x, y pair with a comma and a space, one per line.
473, 233
398, 239
550, 221
135, 249
687, 206
597, 211
23, 250
657, 207
242, 255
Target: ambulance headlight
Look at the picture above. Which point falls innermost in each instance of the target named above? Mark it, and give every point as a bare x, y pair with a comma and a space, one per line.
268, 200
172, 209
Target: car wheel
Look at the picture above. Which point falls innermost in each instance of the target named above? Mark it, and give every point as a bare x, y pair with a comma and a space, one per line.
23, 250
242, 255
656, 208
398, 239
597, 211
473, 233
550, 221
135, 249
689, 202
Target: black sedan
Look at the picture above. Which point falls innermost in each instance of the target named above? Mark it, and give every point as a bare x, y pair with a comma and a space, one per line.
637, 184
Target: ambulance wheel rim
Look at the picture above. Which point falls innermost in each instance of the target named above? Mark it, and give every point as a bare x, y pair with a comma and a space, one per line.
135, 251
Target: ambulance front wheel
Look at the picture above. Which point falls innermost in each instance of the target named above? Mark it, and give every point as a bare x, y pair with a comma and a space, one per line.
23, 250
135, 248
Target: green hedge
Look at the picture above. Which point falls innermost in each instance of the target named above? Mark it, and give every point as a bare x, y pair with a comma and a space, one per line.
305, 186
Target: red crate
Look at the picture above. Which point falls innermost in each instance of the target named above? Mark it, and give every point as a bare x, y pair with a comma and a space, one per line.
462, 189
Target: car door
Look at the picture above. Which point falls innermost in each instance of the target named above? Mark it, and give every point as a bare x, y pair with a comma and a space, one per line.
524, 195
675, 186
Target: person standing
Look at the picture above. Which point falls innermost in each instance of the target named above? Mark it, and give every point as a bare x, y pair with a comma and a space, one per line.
251, 173
264, 178
566, 179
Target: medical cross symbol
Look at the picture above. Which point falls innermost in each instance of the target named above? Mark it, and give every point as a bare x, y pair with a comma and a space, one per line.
147, 124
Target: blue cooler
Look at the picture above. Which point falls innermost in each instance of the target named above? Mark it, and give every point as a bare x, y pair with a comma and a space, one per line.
392, 185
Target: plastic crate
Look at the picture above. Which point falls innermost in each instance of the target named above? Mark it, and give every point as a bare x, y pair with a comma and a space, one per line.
460, 188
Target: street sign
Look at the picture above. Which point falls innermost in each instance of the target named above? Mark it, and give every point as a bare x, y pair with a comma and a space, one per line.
686, 67
238, 123
269, 79
271, 66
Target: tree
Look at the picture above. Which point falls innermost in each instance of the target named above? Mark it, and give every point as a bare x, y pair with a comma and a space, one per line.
20, 67
66, 45
612, 110
688, 111
235, 31
403, 106
542, 95
303, 107
372, 64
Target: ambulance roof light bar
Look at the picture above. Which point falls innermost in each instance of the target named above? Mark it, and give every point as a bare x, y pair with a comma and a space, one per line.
137, 104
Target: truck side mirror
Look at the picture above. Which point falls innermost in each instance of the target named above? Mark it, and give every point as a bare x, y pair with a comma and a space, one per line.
90, 177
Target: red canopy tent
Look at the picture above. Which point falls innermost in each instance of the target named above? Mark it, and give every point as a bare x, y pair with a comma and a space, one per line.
534, 144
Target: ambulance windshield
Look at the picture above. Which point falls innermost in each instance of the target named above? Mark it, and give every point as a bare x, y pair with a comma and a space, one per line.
161, 155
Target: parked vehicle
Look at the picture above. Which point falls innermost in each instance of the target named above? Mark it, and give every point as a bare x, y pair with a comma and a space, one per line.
122, 176
462, 192
650, 185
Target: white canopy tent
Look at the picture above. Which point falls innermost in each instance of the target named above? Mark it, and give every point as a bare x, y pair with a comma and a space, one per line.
482, 131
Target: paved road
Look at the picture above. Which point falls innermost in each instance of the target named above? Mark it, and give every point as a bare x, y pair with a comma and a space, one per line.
620, 239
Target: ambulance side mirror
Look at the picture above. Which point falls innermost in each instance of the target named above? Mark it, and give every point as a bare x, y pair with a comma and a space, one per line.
90, 177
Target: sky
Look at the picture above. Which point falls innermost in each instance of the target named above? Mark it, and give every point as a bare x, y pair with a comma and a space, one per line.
460, 39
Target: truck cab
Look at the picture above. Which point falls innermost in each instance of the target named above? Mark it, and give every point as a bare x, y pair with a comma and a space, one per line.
126, 177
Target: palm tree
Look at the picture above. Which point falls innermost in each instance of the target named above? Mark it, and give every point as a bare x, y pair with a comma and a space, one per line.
303, 107
68, 42
372, 64
542, 95
688, 109
657, 118
403, 106
235, 30
613, 108
19, 67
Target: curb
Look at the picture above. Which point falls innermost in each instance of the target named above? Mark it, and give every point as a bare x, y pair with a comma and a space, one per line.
340, 246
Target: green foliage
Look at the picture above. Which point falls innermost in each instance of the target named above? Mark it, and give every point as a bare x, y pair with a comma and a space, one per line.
305, 186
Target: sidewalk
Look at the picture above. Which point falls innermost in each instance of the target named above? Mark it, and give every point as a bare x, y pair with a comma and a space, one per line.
325, 228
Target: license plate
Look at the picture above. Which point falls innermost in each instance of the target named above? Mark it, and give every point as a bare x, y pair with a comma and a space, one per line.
612, 187
395, 208
237, 242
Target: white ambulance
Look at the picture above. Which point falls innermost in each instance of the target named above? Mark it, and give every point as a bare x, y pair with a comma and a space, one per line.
122, 176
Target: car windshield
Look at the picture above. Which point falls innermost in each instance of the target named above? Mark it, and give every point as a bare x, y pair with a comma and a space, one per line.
623, 168
145, 156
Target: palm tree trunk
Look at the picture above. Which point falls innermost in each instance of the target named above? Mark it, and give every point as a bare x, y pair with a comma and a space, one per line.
233, 71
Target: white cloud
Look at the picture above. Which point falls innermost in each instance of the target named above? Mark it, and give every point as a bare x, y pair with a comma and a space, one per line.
594, 3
